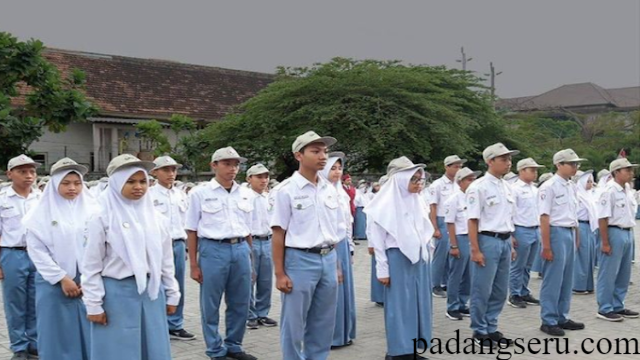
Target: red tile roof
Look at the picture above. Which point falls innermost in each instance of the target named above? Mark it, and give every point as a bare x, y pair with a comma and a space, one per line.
143, 88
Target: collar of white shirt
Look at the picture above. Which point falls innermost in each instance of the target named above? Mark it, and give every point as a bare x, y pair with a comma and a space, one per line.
301, 181
616, 186
492, 178
11, 192
562, 180
215, 184
164, 190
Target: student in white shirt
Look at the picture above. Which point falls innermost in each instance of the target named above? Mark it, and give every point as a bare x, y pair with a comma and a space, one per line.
526, 238
558, 208
400, 231
16, 269
128, 280
258, 178
173, 203
439, 192
491, 206
219, 223
455, 215
305, 232
55, 241
584, 262
377, 289
616, 212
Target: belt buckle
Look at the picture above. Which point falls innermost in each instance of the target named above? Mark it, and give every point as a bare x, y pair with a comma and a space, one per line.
233, 241
325, 251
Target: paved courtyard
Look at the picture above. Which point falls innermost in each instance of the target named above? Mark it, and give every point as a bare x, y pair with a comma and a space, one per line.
370, 343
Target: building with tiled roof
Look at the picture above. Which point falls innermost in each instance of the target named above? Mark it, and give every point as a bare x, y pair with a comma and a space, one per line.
130, 90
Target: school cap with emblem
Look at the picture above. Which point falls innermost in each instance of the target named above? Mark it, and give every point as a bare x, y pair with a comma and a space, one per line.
21, 160
227, 153
528, 163
311, 137
566, 155
126, 160
603, 173
257, 169
497, 149
465, 172
510, 176
401, 164
165, 161
68, 164
622, 163
544, 177
453, 159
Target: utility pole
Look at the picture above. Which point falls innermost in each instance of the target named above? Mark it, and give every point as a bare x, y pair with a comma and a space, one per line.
492, 75
464, 60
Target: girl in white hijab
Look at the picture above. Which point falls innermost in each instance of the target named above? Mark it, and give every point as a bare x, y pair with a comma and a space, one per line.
400, 231
586, 253
345, 326
55, 239
128, 272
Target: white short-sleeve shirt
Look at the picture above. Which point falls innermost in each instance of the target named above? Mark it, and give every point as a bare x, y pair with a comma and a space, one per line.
13, 208
558, 198
490, 200
440, 191
309, 213
526, 196
615, 203
260, 224
455, 209
215, 213
173, 204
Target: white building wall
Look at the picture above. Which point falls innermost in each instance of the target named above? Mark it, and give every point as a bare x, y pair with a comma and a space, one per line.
76, 143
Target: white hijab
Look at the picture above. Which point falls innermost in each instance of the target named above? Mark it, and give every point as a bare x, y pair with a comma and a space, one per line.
587, 199
345, 207
134, 231
403, 215
61, 223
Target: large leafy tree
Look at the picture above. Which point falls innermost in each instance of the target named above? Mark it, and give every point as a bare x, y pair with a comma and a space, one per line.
378, 110
34, 96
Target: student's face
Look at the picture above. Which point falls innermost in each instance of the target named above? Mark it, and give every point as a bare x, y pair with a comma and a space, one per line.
135, 187
589, 184
259, 182
625, 175
22, 176
336, 172
452, 169
166, 176
529, 174
568, 169
227, 169
464, 183
70, 186
313, 156
500, 165
375, 188
416, 184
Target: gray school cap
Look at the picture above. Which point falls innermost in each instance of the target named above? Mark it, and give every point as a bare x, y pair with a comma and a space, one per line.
257, 169
622, 163
466, 172
528, 163
497, 149
401, 164
165, 161
544, 177
453, 159
22, 160
566, 155
127, 160
603, 173
311, 137
68, 164
227, 153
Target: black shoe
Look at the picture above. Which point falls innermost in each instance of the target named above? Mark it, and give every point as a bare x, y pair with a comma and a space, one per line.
629, 314
453, 315
220, 358
181, 334
267, 322
581, 292
349, 343
253, 324
553, 330
20, 355
499, 338
438, 291
241, 356
444, 287
610, 316
572, 325
530, 300
517, 302
484, 341
33, 353
465, 312
380, 304
356, 243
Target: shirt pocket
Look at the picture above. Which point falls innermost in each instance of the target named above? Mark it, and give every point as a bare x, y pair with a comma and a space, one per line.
244, 205
162, 207
211, 213
560, 200
10, 218
183, 206
303, 210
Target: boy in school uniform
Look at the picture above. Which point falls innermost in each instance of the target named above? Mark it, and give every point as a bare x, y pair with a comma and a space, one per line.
304, 223
616, 221
491, 206
16, 268
219, 226
173, 203
258, 179
558, 208
526, 238
439, 192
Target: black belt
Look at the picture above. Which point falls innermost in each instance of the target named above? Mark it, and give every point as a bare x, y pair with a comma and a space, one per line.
583, 221
501, 236
22, 248
620, 227
174, 240
235, 240
528, 227
564, 227
314, 250
262, 238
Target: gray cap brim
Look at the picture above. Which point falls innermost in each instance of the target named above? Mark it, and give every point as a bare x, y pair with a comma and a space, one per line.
83, 170
177, 166
147, 165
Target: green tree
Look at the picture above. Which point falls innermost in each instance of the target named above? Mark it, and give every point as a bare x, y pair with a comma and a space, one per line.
34, 96
378, 110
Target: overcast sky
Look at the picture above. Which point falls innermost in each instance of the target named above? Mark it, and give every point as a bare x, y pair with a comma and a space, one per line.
538, 45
